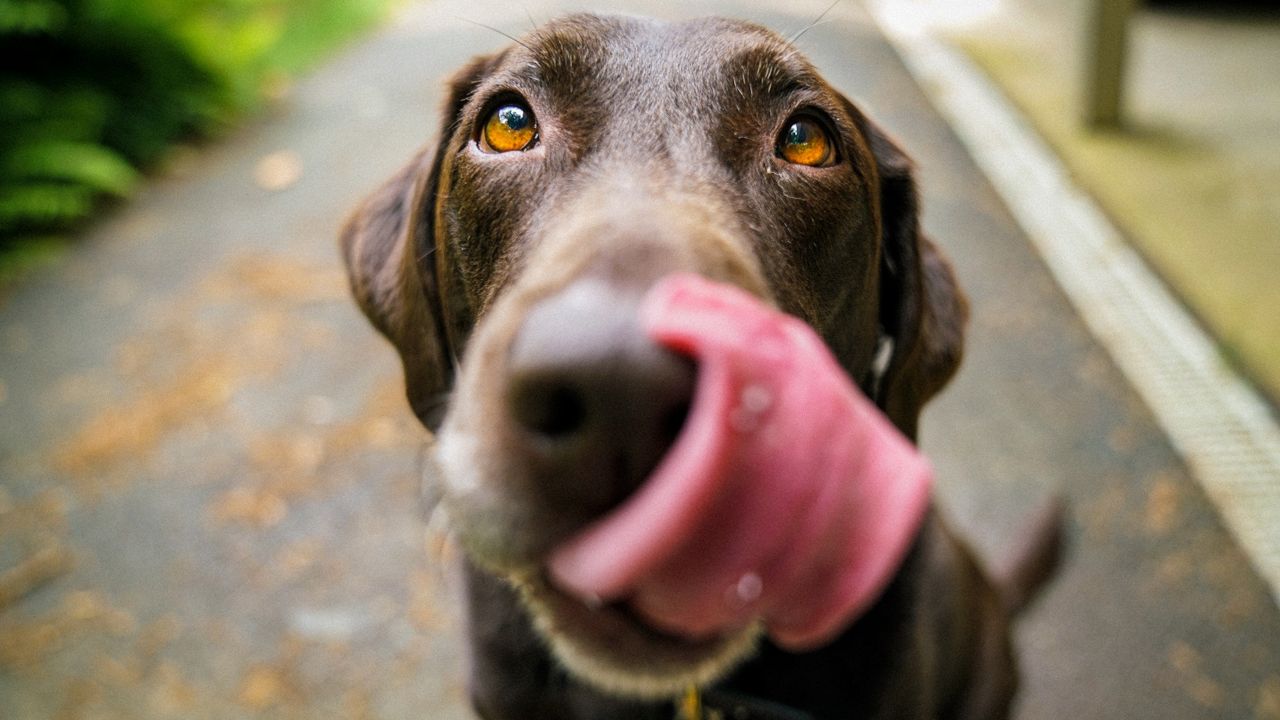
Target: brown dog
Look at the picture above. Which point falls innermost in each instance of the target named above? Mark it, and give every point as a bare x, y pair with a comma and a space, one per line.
574, 170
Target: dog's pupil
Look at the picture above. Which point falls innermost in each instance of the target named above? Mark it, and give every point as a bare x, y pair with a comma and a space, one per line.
510, 127
514, 118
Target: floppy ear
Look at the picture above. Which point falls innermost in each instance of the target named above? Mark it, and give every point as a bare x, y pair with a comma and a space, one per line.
922, 309
389, 246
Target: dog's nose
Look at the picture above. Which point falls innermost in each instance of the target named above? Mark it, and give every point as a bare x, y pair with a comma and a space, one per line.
596, 402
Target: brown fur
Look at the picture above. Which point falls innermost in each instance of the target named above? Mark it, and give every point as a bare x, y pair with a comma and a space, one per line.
656, 155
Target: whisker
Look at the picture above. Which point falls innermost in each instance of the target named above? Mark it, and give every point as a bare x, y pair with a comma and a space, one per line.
792, 40
814, 25
503, 33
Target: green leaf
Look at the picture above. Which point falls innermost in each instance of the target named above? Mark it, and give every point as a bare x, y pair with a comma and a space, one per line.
92, 166
42, 205
31, 17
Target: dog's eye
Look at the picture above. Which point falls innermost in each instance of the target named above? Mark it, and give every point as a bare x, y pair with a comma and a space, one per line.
804, 141
510, 127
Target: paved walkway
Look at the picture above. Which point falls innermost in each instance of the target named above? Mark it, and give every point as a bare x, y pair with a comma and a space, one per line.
207, 471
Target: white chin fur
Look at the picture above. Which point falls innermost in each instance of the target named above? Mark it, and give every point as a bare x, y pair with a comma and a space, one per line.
651, 683
650, 676
619, 658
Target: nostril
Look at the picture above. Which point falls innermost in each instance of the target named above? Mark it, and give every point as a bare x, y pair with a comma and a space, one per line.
551, 408
592, 403
672, 422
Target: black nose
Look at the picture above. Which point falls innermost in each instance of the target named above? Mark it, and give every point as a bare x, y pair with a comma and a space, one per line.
596, 403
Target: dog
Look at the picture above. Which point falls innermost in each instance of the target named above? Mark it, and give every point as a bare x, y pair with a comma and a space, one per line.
573, 171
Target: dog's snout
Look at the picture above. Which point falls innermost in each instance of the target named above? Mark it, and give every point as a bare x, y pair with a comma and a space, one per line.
595, 402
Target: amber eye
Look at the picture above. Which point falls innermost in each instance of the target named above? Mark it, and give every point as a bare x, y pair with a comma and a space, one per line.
510, 127
805, 142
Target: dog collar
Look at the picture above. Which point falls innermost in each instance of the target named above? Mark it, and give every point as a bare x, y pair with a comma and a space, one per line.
720, 705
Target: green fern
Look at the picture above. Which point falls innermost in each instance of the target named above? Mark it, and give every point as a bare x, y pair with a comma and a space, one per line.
90, 90
94, 91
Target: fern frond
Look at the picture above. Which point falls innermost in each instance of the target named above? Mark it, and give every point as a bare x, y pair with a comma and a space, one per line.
42, 205
92, 166
31, 17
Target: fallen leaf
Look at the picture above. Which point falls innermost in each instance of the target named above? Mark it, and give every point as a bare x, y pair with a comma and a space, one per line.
1268, 705
262, 688
259, 507
39, 568
278, 171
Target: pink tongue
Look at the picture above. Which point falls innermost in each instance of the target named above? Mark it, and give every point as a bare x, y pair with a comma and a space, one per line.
788, 496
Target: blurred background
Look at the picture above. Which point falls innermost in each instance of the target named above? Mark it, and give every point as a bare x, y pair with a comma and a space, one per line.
208, 473
1183, 153
95, 92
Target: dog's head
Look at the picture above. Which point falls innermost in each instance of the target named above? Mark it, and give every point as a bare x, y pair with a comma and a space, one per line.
575, 169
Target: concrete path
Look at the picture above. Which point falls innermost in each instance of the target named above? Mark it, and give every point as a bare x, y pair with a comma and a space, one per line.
207, 472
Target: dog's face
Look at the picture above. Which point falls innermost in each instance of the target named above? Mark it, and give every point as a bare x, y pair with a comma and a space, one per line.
574, 170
